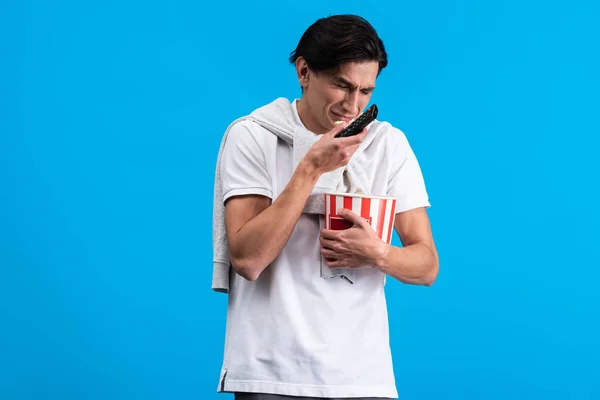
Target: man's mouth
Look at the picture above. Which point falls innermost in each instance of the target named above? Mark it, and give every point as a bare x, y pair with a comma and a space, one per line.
345, 118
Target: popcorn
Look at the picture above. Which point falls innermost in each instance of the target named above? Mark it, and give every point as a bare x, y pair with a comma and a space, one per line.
341, 122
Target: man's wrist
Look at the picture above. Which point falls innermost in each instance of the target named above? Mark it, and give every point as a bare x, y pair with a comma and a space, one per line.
308, 171
381, 259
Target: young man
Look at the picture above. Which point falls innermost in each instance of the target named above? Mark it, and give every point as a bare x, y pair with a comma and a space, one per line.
294, 327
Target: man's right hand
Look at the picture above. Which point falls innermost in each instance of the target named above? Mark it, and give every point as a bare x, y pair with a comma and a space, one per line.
257, 230
330, 153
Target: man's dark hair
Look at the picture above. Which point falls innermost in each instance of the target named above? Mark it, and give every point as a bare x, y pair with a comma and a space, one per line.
335, 40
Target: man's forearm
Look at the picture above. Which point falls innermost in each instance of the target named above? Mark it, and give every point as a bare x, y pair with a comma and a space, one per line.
262, 238
415, 264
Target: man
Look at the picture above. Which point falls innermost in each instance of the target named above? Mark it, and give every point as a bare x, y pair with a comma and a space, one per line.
293, 329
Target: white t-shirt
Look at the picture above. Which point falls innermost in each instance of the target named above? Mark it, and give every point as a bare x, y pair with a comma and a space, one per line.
291, 332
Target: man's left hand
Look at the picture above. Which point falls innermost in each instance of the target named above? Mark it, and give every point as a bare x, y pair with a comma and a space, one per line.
355, 247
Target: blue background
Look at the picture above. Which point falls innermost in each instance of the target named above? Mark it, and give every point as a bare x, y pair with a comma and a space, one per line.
111, 114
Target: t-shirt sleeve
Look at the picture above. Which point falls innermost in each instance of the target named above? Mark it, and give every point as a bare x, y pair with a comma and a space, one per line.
406, 179
243, 166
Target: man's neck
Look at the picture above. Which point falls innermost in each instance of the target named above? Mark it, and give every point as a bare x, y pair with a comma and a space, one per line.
306, 117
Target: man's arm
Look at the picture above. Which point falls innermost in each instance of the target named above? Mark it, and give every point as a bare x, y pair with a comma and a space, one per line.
256, 230
417, 261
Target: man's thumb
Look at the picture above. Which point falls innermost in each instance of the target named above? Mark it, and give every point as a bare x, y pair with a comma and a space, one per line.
350, 216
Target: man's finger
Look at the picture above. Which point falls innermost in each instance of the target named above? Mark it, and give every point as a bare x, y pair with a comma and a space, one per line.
329, 235
336, 264
354, 140
337, 129
351, 216
326, 243
329, 254
352, 149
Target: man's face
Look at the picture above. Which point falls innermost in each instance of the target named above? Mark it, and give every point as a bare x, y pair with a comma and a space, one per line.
335, 96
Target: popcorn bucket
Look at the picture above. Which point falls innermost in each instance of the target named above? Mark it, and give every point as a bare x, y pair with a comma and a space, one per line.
379, 212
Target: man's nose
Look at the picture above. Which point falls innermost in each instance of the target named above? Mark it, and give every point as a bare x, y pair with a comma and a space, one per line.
350, 103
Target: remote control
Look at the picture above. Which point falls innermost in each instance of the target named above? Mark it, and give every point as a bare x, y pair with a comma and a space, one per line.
359, 123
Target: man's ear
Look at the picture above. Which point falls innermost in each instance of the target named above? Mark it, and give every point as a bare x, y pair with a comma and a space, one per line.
302, 72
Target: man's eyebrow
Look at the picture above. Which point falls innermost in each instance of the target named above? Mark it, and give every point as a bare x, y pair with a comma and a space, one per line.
345, 82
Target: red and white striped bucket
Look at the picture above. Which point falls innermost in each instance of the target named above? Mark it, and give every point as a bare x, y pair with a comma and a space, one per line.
377, 210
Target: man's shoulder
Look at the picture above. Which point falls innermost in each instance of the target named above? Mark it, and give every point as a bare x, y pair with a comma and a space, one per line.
246, 128
388, 133
244, 124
